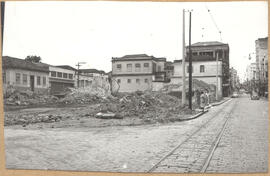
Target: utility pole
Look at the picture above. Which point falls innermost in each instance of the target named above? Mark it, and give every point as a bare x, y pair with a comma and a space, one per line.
78, 72
183, 64
217, 87
190, 65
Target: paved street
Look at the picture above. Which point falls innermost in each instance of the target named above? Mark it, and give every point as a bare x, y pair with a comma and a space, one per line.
241, 124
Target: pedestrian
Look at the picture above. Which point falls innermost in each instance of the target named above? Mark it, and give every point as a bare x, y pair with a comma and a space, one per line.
202, 100
207, 97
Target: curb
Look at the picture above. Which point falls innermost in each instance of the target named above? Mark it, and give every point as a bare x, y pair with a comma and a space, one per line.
219, 103
194, 116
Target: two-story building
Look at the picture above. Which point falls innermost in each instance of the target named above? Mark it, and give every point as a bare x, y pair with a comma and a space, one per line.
204, 68
215, 50
61, 78
136, 72
24, 75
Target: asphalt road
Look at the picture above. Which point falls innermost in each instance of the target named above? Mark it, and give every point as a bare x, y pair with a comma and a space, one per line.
175, 147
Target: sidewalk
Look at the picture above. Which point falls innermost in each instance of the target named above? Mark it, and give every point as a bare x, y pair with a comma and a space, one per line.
206, 109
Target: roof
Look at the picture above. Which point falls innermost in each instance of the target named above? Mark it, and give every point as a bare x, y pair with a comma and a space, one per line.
210, 43
92, 71
66, 67
12, 62
199, 59
138, 57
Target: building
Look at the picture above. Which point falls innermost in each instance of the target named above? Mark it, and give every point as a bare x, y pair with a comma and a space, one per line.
214, 50
251, 72
261, 46
169, 69
136, 72
234, 79
24, 75
61, 78
92, 76
204, 68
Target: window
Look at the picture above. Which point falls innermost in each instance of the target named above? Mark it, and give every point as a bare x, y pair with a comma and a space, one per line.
24, 79
129, 67
202, 69
64, 75
118, 81
146, 65
18, 78
138, 81
38, 80
159, 68
44, 81
59, 74
4, 77
53, 74
129, 81
188, 69
146, 80
70, 76
118, 67
137, 67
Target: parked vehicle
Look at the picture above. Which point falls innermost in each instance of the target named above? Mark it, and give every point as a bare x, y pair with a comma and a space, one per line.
235, 95
254, 95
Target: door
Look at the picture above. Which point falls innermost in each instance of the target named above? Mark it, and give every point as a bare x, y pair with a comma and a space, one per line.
32, 82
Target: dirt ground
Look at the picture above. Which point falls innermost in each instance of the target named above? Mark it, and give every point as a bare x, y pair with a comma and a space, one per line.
80, 116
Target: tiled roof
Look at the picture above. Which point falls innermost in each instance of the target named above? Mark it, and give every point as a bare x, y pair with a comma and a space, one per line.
66, 67
139, 57
198, 59
12, 62
92, 71
210, 43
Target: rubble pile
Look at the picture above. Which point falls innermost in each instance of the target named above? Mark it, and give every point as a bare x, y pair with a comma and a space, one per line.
28, 98
26, 119
89, 94
142, 105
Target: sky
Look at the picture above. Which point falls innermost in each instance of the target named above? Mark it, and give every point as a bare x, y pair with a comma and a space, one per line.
65, 33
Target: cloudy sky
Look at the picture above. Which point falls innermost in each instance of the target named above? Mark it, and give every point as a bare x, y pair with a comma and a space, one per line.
64, 33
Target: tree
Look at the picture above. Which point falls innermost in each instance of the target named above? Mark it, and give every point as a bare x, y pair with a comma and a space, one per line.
35, 59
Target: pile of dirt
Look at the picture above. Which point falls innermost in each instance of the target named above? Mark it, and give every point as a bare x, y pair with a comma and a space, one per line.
143, 105
28, 98
89, 94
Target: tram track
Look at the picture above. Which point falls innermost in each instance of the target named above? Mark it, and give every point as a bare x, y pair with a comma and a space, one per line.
207, 160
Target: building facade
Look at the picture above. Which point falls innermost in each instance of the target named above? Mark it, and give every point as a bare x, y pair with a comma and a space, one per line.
89, 77
215, 50
61, 79
24, 75
234, 79
251, 72
136, 72
204, 68
261, 46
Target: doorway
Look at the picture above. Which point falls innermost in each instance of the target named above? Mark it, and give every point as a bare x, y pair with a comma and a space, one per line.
32, 82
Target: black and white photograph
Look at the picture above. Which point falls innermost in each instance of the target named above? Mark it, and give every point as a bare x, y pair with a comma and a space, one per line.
135, 87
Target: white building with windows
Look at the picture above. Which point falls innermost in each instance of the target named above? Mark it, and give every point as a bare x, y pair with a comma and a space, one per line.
136, 72
204, 68
23, 75
60, 79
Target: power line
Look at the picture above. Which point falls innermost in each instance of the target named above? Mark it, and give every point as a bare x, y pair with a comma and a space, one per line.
213, 20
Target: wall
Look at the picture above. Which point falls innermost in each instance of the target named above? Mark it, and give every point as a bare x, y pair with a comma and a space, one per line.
11, 80
124, 69
210, 68
133, 86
